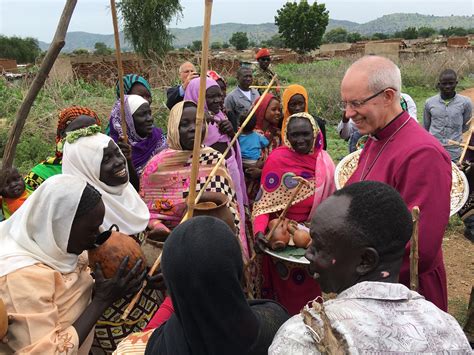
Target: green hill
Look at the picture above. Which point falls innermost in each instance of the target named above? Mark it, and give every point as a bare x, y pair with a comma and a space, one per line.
222, 32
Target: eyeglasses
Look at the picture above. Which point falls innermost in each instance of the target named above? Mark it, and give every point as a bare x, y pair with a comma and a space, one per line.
355, 104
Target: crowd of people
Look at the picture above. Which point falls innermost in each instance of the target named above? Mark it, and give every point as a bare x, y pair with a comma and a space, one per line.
217, 291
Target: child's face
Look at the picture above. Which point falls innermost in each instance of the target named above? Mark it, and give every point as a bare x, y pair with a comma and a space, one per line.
14, 185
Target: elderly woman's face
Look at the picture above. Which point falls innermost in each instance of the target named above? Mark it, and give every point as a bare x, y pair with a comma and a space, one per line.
300, 134
143, 120
187, 128
85, 229
113, 169
214, 99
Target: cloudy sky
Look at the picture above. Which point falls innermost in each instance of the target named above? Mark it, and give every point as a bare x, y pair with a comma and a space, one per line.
38, 18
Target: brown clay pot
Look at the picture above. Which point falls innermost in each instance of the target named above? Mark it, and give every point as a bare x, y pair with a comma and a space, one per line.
215, 204
280, 237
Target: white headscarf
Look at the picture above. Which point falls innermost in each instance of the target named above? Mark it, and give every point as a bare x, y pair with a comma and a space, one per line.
123, 205
38, 232
134, 102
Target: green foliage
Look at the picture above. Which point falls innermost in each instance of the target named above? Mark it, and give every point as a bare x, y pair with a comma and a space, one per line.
454, 31
32, 148
337, 35
302, 25
239, 40
145, 24
275, 42
354, 37
379, 36
23, 50
216, 45
196, 46
408, 33
426, 32
102, 49
225, 45
80, 51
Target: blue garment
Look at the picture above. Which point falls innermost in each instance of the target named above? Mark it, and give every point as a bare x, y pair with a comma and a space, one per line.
251, 145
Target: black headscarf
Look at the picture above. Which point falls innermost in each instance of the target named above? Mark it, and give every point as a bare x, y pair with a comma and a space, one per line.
203, 269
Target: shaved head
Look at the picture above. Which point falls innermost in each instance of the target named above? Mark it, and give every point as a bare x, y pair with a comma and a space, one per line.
380, 73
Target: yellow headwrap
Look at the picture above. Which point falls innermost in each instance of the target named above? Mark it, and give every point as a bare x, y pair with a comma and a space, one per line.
291, 91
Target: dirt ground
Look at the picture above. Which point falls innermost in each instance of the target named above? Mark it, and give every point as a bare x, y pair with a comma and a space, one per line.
459, 261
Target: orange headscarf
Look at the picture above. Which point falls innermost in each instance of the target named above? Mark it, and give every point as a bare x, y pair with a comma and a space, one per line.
291, 91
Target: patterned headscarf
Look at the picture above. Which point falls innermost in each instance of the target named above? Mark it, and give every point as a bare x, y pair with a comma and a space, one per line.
66, 116
173, 125
128, 81
291, 91
318, 137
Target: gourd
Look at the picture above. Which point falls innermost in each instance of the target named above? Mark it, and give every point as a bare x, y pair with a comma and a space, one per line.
110, 254
280, 237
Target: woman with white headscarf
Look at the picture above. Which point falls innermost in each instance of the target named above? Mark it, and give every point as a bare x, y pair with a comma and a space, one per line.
145, 139
96, 158
44, 282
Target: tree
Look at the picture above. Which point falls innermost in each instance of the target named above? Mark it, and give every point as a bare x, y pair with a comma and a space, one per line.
425, 32
378, 36
23, 50
145, 24
274, 42
354, 37
408, 33
336, 35
225, 45
102, 49
196, 46
216, 45
80, 51
239, 40
301, 25
453, 31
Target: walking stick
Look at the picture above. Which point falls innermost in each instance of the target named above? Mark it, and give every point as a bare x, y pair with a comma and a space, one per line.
200, 108
118, 54
415, 213
465, 147
197, 141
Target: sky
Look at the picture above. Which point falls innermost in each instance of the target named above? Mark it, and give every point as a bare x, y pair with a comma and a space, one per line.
39, 18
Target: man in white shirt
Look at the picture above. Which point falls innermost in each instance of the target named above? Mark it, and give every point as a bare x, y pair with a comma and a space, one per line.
240, 99
359, 236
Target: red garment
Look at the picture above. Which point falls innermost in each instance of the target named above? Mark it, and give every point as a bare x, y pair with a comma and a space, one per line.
286, 282
416, 165
163, 313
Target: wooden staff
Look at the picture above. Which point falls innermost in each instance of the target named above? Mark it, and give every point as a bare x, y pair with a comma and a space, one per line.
451, 142
197, 140
200, 108
118, 54
135, 299
465, 148
264, 87
415, 213
239, 132
301, 183
22, 114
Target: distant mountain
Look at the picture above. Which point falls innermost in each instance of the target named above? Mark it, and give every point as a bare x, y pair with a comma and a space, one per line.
222, 32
